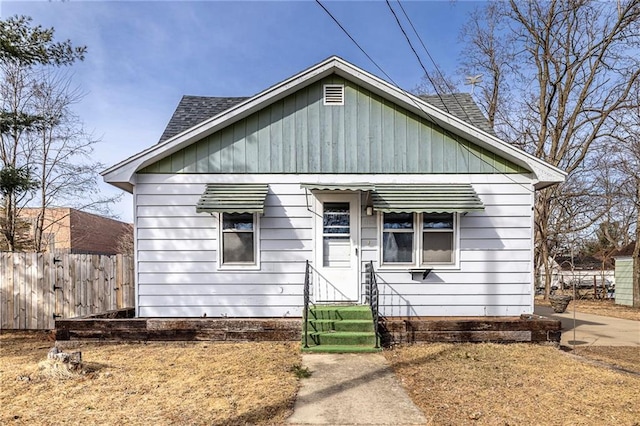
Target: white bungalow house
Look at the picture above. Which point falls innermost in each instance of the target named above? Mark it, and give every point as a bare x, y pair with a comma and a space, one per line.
339, 168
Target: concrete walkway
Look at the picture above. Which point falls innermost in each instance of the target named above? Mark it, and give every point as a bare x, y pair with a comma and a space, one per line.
352, 389
595, 330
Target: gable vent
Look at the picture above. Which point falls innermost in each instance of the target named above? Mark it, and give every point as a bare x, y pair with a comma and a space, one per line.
333, 94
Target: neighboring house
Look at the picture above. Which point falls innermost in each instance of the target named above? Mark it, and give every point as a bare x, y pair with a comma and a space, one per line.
67, 230
584, 270
339, 168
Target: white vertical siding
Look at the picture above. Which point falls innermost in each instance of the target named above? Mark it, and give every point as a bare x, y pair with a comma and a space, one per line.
178, 273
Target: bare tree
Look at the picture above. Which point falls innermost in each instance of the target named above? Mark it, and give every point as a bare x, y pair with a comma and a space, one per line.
24, 51
39, 130
437, 82
626, 163
486, 54
62, 152
576, 70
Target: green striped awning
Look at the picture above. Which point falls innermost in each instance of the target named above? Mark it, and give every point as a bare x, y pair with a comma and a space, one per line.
233, 198
338, 186
427, 198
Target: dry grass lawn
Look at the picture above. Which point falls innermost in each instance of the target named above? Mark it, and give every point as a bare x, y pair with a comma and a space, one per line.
605, 307
624, 357
253, 383
516, 384
149, 384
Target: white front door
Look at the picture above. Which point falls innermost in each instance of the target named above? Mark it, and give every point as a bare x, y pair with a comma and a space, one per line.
337, 228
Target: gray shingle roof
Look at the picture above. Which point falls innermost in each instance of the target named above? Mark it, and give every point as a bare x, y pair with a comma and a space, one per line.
462, 106
193, 110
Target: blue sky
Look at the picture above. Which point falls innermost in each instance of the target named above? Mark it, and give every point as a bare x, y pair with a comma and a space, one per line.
143, 56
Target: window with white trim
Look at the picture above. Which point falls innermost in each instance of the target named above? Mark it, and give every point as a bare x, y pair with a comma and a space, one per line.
397, 238
419, 239
438, 243
238, 239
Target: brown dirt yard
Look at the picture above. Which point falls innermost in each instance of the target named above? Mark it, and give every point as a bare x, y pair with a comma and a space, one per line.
514, 384
148, 384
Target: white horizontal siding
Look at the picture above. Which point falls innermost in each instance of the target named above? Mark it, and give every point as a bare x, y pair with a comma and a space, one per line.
211, 266
229, 311
493, 243
453, 308
392, 299
196, 222
495, 274
208, 233
496, 222
426, 290
223, 277
224, 289
201, 300
176, 245
462, 276
178, 274
175, 256
495, 255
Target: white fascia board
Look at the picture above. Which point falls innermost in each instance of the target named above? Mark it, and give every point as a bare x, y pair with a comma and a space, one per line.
122, 174
545, 173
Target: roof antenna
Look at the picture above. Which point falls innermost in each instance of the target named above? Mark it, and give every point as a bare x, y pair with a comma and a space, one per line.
473, 80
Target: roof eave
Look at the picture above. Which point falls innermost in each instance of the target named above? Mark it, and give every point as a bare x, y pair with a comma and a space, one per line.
122, 174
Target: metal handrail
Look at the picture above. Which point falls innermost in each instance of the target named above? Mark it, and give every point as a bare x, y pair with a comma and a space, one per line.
305, 313
374, 298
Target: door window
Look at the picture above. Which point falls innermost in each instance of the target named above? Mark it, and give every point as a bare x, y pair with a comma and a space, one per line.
336, 235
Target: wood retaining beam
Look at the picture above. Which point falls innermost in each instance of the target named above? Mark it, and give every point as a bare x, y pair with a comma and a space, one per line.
179, 329
526, 328
394, 330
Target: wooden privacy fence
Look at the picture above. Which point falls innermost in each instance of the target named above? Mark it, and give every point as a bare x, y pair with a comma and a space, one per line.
37, 288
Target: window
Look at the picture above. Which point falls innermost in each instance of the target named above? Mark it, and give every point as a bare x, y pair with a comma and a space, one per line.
419, 239
397, 238
437, 238
238, 238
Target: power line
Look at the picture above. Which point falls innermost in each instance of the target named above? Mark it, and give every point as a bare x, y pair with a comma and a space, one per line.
417, 56
424, 46
376, 64
444, 80
355, 42
409, 95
